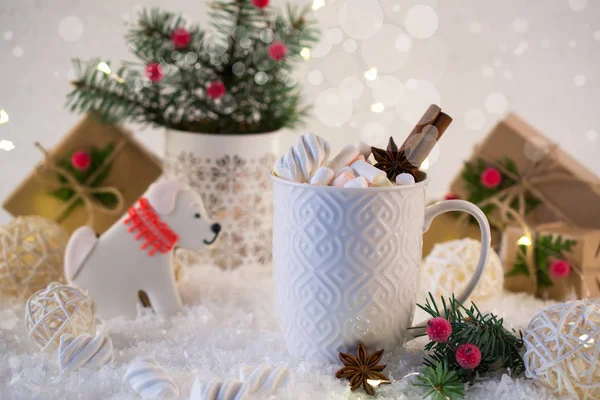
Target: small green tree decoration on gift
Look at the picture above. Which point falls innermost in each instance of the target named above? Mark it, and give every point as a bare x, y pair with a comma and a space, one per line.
464, 343
234, 78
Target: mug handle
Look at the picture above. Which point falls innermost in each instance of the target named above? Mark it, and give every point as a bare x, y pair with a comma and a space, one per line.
460, 205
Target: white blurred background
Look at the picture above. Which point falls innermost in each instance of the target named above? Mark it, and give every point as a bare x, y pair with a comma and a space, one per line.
379, 65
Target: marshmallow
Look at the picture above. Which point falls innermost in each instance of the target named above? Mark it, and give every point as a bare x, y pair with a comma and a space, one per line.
359, 182
302, 160
342, 179
322, 177
346, 156
383, 182
369, 172
364, 149
405, 179
345, 169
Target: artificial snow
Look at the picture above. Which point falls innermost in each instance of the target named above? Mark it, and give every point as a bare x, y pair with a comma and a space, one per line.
229, 321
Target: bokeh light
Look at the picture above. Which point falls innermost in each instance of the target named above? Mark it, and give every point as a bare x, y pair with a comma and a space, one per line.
332, 108
360, 19
496, 103
418, 95
474, 119
388, 90
380, 50
70, 28
421, 21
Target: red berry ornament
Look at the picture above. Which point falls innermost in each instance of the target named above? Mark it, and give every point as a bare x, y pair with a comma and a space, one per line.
491, 178
438, 329
154, 72
180, 38
560, 269
277, 50
215, 90
260, 3
81, 160
451, 196
468, 356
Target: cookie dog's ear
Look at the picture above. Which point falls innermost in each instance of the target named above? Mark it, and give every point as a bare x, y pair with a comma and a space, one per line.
162, 195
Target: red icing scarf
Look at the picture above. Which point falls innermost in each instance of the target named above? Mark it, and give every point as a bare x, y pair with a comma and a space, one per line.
146, 225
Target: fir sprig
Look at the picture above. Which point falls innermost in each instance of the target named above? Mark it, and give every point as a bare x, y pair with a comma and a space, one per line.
499, 347
471, 175
261, 94
546, 248
440, 382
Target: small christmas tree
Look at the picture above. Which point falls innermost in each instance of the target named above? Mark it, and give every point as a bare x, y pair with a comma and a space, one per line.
235, 78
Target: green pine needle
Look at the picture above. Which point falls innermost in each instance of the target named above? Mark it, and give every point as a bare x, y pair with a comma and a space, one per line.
440, 382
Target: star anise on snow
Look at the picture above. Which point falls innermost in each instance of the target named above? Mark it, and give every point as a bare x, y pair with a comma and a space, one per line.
393, 161
363, 370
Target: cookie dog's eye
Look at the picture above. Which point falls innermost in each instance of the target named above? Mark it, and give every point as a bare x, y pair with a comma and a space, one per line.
197, 215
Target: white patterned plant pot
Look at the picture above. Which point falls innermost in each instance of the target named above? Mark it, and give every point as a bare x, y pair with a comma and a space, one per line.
231, 173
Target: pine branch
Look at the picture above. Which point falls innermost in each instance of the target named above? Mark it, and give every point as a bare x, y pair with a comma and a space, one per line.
440, 382
469, 325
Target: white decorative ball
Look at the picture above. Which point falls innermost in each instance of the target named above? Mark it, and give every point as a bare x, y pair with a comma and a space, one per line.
32, 249
450, 266
56, 310
561, 349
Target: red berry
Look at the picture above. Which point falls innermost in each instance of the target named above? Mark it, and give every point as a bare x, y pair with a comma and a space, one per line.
154, 72
260, 3
277, 50
438, 329
560, 269
451, 196
215, 90
180, 38
81, 160
491, 178
468, 356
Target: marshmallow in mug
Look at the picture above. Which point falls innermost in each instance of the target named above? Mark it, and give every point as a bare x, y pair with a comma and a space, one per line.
322, 177
405, 179
344, 158
302, 160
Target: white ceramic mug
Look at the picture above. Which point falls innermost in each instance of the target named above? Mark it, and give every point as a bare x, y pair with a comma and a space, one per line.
347, 263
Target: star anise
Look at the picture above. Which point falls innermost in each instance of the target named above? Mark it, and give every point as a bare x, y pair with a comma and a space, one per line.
362, 369
392, 161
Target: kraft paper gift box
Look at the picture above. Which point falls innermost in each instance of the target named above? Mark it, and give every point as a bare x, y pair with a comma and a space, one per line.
565, 189
583, 256
131, 170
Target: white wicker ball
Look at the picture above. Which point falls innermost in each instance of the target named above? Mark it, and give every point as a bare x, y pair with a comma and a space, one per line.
57, 310
450, 266
561, 349
31, 255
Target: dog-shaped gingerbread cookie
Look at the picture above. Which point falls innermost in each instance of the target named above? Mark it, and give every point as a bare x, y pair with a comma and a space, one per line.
132, 262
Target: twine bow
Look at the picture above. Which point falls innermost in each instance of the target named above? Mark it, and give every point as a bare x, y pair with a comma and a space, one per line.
83, 191
540, 171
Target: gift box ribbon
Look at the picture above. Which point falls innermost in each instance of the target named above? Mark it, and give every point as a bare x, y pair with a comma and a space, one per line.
83, 191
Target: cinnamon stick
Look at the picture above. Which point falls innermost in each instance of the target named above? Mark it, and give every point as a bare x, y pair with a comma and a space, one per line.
425, 135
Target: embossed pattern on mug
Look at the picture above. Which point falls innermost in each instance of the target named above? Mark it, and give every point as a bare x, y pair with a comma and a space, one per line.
236, 193
350, 254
